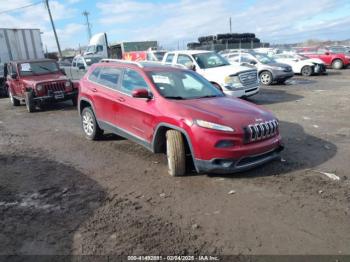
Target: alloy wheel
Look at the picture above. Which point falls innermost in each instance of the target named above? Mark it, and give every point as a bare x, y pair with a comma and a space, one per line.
88, 123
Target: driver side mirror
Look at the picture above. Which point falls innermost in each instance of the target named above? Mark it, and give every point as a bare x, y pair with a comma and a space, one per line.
141, 93
252, 62
190, 66
326, 53
14, 76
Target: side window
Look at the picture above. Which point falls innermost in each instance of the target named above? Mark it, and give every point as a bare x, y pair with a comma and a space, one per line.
184, 59
80, 62
95, 74
99, 48
109, 76
132, 80
74, 63
169, 58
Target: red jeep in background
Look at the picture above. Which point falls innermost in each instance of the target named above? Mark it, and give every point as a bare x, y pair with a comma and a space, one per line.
38, 82
178, 112
333, 60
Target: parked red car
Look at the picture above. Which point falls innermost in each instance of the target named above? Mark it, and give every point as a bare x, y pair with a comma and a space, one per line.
336, 61
38, 82
178, 112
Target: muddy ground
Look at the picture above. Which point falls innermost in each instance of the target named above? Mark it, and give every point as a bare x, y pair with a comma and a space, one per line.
62, 194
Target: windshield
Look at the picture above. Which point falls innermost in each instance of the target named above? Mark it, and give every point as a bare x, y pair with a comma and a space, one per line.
182, 85
90, 49
210, 60
92, 60
264, 59
38, 68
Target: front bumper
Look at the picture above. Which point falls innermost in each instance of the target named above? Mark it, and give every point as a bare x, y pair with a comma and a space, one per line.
243, 92
50, 98
229, 166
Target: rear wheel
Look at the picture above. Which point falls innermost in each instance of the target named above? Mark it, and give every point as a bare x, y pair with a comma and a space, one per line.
75, 101
89, 124
175, 150
266, 78
14, 101
306, 71
29, 102
337, 64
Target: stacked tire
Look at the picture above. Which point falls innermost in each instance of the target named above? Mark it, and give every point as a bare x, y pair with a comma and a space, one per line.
224, 41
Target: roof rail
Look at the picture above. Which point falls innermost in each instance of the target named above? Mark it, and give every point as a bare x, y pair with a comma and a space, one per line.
163, 64
109, 60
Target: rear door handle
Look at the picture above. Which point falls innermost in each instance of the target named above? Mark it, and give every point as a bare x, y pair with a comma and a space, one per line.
93, 89
121, 99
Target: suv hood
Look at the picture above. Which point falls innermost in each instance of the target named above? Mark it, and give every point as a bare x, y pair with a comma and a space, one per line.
34, 79
223, 110
226, 70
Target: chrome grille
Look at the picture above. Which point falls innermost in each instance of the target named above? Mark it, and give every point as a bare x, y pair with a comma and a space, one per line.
54, 86
261, 131
249, 78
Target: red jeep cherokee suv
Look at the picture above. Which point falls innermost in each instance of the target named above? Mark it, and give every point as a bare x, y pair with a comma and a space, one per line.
176, 111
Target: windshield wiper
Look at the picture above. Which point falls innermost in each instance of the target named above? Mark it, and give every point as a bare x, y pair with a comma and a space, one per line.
175, 97
45, 68
207, 96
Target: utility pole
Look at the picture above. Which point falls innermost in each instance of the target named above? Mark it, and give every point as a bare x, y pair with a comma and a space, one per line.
87, 23
53, 28
230, 25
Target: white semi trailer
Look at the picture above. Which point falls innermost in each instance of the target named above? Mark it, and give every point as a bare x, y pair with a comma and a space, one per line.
20, 44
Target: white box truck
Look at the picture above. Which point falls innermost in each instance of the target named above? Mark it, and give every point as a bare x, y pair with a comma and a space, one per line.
18, 44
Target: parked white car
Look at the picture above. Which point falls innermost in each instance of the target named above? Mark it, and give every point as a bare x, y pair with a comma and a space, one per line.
233, 80
302, 64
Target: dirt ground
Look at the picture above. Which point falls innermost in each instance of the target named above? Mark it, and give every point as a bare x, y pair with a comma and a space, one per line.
62, 194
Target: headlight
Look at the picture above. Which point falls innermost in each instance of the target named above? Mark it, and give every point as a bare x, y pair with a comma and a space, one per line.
280, 68
68, 84
39, 88
233, 81
214, 126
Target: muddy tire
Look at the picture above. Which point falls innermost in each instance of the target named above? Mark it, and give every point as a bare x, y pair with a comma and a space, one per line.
89, 124
266, 78
14, 101
29, 102
306, 71
75, 101
175, 150
337, 64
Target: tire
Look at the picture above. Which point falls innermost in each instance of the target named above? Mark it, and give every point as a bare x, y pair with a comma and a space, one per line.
266, 78
306, 71
89, 124
75, 101
14, 101
176, 155
337, 64
29, 102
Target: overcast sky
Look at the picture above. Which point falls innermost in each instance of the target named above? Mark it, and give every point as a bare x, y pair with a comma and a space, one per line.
172, 22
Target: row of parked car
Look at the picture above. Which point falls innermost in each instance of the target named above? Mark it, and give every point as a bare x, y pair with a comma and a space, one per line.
164, 107
183, 105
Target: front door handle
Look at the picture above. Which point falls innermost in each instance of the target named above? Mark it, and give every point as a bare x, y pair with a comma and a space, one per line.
93, 89
121, 99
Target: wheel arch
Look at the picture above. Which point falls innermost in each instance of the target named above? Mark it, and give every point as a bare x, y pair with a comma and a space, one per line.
85, 102
159, 139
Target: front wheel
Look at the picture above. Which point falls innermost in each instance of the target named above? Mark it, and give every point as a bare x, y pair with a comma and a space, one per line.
337, 64
14, 101
266, 78
29, 102
89, 124
175, 150
306, 71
